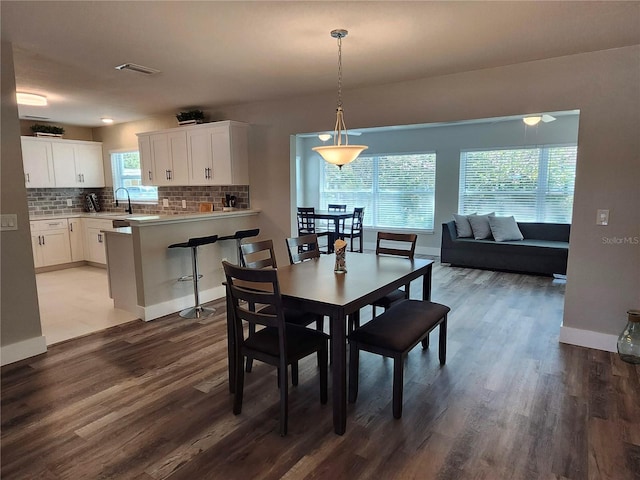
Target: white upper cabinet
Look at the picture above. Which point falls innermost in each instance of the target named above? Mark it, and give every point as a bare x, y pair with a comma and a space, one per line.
37, 160
207, 154
70, 163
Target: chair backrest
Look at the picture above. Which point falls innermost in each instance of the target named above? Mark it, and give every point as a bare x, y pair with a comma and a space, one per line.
399, 244
358, 217
258, 288
303, 248
306, 221
259, 254
334, 207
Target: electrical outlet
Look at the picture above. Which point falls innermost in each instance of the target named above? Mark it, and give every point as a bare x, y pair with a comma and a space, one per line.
184, 204
602, 217
165, 202
69, 202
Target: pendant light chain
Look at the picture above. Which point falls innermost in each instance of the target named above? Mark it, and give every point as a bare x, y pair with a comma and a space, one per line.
340, 71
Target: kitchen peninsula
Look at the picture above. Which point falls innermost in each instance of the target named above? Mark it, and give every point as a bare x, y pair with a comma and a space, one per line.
144, 274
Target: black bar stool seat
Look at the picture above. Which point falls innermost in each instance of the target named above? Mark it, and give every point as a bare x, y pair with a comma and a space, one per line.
238, 237
197, 310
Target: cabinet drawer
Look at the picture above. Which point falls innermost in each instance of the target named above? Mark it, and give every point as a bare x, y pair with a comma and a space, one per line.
45, 225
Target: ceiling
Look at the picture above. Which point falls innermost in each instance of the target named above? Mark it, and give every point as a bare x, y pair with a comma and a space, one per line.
213, 53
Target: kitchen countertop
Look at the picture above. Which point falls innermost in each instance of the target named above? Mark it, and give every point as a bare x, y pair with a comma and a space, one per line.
139, 220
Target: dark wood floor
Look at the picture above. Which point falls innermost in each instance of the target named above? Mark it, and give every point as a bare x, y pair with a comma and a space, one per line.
150, 401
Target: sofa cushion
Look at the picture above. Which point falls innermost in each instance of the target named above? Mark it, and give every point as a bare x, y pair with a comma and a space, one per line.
504, 229
463, 227
480, 225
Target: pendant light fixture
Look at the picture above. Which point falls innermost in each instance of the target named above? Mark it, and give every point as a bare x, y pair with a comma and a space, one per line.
340, 153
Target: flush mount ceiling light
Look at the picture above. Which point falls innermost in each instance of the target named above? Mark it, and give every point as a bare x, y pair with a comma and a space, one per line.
31, 99
535, 119
137, 68
107, 120
340, 153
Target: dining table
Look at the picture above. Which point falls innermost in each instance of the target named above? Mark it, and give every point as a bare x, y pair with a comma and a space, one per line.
333, 217
314, 287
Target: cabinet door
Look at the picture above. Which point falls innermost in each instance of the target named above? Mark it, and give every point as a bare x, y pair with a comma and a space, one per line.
64, 164
146, 160
95, 246
179, 172
76, 239
200, 156
37, 163
55, 247
36, 245
89, 165
161, 155
220, 143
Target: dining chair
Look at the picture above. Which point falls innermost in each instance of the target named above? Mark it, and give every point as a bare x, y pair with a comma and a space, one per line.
354, 230
307, 223
400, 245
303, 248
261, 255
279, 344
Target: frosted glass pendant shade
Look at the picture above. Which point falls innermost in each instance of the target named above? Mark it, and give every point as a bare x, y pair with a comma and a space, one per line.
340, 154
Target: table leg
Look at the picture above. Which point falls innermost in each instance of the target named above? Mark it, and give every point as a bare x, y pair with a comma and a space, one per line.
339, 372
426, 285
231, 346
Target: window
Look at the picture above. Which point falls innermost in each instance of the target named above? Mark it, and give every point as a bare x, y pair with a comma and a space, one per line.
126, 171
532, 184
397, 190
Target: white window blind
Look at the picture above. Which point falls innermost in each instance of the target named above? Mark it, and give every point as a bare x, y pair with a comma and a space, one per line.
396, 190
532, 184
127, 173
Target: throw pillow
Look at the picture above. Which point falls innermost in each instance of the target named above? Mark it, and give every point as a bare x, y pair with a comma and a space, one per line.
504, 229
463, 227
480, 225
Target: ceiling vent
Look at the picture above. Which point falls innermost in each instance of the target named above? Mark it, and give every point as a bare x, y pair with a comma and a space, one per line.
33, 117
137, 68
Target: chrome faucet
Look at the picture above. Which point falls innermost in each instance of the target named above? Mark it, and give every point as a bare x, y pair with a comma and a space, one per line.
115, 194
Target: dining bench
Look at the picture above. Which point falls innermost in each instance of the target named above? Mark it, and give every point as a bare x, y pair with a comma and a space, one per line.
394, 334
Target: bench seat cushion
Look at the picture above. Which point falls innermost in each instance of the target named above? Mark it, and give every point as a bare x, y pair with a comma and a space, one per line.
402, 326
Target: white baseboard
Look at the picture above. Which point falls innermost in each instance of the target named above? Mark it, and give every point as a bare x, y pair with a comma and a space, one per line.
15, 352
589, 339
158, 310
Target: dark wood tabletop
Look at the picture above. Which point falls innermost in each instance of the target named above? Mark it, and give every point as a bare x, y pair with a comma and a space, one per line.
314, 287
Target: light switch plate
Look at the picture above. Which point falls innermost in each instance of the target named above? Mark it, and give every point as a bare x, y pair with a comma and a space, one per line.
9, 221
184, 204
69, 202
165, 202
602, 217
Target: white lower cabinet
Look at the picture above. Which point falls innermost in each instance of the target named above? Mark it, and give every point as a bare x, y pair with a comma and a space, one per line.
76, 239
94, 250
50, 242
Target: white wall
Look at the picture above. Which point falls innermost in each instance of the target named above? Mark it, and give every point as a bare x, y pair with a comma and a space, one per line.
20, 332
447, 141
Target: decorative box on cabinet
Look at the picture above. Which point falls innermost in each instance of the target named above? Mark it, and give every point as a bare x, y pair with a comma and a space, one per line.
62, 163
50, 242
213, 154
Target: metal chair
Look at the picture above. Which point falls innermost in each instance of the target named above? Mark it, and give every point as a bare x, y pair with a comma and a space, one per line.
238, 237
197, 310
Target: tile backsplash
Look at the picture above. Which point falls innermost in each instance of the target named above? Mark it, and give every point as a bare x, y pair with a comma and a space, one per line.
53, 201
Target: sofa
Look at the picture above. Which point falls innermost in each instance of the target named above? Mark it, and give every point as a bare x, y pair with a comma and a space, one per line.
543, 251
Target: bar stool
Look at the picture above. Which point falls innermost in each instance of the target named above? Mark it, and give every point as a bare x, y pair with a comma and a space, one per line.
197, 310
238, 237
